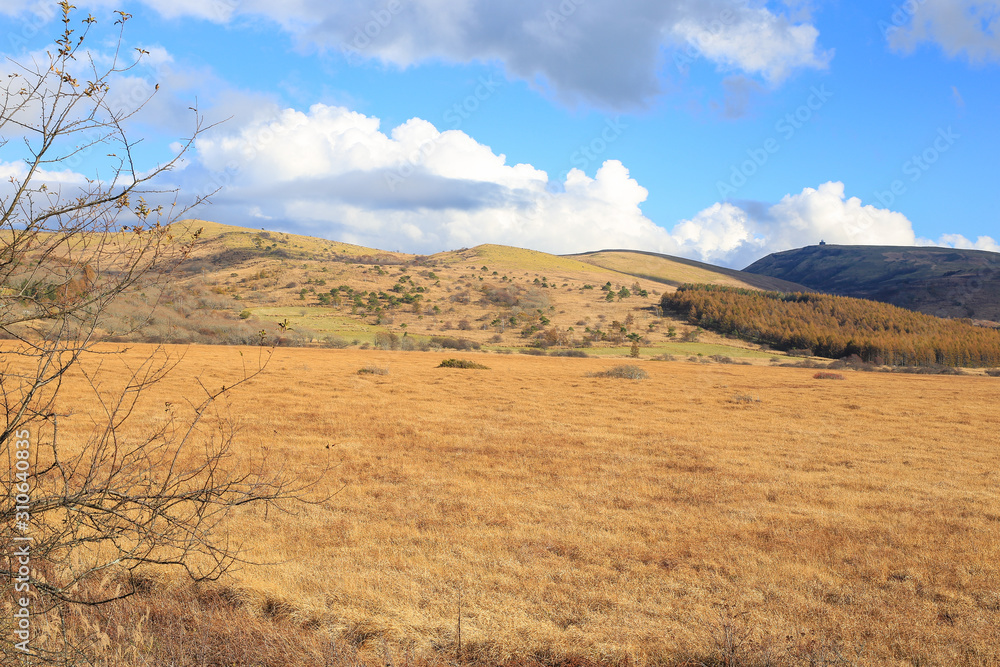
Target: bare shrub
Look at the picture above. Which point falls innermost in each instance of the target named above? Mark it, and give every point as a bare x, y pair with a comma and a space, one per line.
623, 372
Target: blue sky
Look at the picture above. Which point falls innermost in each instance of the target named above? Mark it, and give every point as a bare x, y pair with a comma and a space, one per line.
721, 130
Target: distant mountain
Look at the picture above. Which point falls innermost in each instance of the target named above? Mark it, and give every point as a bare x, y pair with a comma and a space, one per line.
938, 281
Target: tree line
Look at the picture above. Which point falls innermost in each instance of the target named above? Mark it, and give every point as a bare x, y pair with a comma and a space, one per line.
836, 326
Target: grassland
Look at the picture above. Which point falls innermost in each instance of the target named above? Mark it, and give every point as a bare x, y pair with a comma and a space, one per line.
710, 514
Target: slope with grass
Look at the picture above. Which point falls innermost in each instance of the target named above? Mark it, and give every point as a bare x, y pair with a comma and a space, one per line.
676, 271
239, 282
945, 282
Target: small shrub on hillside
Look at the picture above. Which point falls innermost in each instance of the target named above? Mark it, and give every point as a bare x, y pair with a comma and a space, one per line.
664, 357
825, 375
371, 369
245, 315
534, 352
462, 363
993, 372
569, 353
624, 372
721, 359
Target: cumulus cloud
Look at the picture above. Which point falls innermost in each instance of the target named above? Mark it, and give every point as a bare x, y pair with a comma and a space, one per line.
969, 28
736, 235
335, 173
608, 54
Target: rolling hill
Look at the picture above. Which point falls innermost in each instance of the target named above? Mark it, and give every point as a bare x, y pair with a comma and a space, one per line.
676, 271
945, 282
239, 282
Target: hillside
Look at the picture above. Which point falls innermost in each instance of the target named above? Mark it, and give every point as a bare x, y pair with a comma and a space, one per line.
239, 282
676, 271
938, 281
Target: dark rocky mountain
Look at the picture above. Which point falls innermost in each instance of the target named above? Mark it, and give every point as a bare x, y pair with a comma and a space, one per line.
938, 281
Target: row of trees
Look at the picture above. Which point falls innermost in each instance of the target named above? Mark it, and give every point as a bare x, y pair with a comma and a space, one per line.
836, 326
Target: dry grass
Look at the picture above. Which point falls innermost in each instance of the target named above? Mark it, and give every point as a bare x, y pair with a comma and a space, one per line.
642, 523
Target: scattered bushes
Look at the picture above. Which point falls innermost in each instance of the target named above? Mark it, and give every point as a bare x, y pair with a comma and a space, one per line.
336, 342
449, 343
825, 375
624, 372
462, 363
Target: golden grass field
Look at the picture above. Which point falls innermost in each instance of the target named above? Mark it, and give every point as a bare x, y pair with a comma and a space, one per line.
708, 513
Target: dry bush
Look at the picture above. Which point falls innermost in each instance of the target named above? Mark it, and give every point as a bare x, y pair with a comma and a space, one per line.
825, 375
993, 372
623, 372
372, 369
462, 363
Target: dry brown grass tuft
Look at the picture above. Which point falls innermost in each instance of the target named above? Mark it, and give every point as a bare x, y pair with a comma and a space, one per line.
584, 523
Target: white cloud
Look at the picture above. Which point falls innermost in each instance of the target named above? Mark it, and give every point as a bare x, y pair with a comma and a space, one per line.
334, 173
738, 235
755, 41
609, 54
960, 241
969, 28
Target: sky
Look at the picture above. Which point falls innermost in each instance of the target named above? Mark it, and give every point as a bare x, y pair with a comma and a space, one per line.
719, 130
